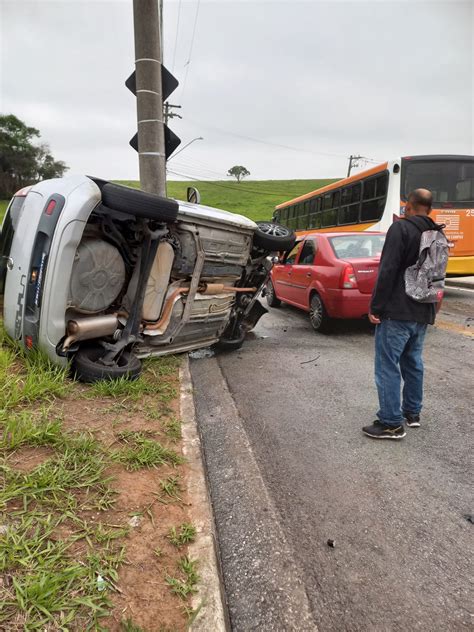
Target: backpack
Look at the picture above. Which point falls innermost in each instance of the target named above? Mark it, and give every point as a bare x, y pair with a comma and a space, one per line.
424, 280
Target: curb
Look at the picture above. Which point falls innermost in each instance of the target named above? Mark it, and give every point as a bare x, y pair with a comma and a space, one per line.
209, 601
464, 283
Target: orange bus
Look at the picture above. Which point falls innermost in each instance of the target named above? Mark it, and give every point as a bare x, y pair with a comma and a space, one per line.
373, 199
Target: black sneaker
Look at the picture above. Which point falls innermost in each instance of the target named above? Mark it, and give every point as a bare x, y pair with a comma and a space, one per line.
378, 430
412, 421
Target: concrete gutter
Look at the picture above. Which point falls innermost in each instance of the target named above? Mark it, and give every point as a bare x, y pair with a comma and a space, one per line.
209, 601
461, 282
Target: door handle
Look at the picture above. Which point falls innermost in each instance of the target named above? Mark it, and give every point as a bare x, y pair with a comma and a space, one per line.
309, 274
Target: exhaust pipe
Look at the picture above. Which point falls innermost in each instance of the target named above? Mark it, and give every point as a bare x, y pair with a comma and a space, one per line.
89, 328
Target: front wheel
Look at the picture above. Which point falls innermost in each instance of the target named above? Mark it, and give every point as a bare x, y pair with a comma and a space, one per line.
273, 237
271, 297
87, 367
318, 316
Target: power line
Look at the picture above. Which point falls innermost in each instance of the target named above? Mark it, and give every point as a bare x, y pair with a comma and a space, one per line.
176, 38
197, 171
265, 142
190, 49
225, 186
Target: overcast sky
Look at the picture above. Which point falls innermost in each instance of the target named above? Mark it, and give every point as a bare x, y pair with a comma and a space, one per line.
287, 89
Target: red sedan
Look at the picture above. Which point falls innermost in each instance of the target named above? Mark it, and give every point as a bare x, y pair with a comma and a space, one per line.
329, 275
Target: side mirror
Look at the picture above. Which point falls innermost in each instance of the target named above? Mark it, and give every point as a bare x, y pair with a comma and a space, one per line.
193, 196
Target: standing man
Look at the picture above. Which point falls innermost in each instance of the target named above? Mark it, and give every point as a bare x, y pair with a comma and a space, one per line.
401, 324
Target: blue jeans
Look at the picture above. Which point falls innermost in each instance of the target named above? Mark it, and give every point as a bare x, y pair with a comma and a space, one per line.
398, 349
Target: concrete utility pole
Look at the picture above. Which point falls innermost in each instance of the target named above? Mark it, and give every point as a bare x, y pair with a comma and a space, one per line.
151, 135
355, 161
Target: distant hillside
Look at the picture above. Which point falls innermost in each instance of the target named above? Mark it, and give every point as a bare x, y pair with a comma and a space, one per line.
253, 198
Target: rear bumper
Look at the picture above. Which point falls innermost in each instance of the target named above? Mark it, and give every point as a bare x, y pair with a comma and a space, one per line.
347, 303
463, 266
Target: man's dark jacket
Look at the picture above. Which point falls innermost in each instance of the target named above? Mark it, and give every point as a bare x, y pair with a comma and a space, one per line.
400, 251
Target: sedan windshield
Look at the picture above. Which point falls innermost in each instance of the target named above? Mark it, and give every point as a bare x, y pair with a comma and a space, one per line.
357, 246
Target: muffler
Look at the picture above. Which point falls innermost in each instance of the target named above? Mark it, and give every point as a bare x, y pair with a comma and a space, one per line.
90, 328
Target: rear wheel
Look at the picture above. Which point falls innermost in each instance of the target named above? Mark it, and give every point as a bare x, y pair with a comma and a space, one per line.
87, 367
271, 297
318, 316
233, 338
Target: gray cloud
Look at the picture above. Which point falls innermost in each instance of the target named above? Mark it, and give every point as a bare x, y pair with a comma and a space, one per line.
326, 78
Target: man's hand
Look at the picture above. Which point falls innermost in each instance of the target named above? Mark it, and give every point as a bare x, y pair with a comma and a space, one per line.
375, 320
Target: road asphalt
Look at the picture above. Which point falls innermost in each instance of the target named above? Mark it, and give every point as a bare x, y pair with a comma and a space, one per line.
289, 470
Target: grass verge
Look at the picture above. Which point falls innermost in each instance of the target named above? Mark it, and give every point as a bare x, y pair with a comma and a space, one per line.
76, 463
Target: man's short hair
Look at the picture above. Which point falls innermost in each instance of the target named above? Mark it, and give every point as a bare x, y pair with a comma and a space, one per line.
421, 198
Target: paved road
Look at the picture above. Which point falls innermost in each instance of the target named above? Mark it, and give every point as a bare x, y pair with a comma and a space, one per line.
289, 469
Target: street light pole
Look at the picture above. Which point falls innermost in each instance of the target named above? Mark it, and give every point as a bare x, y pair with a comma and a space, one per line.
151, 135
187, 145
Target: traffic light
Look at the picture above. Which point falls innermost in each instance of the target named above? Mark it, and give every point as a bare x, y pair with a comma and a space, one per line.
169, 83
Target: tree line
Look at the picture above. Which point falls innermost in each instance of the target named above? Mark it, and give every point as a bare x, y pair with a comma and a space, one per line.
23, 160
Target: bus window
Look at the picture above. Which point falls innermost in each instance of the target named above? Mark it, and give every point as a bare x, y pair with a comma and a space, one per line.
329, 218
369, 189
374, 195
371, 210
327, 201
336, 199
349, 214
356, 189
314, 220
382, 182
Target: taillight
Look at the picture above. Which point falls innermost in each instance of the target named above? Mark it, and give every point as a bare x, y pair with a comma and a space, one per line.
50, 208
348, 278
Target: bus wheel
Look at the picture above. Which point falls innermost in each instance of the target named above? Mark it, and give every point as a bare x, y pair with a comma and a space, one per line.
318, 316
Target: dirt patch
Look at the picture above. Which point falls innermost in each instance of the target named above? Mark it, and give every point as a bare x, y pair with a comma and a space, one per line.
26, 459
141, 593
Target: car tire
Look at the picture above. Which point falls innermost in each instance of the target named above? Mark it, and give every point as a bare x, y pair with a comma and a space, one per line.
273, 237
318, 316
271, 297
86, 368
139, 203
230, 344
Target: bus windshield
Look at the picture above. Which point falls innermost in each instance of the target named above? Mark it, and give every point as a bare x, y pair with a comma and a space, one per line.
450, 181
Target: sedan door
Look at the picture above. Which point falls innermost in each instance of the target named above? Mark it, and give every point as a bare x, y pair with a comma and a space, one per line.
302, 273
282, 275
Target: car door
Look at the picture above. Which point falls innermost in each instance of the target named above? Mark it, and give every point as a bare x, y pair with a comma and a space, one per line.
282, 274
302, 273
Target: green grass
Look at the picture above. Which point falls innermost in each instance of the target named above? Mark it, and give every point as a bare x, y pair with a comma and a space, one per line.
182, 535
55, 543
142, 452
3, 208
255, 199
184, 587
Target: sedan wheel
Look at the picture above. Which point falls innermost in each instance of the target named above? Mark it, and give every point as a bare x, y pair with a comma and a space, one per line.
272, 300
317, 314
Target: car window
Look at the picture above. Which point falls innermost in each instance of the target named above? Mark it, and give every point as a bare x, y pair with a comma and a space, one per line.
308, 252
357, 246
291, 257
